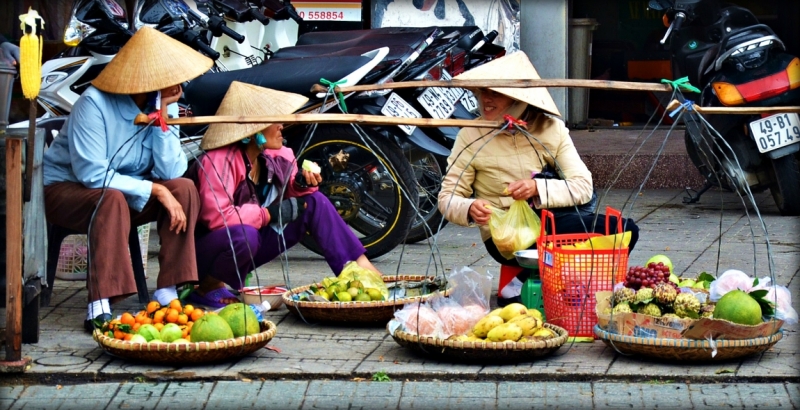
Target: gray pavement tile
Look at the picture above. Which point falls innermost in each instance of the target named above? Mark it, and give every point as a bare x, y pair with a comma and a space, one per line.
257, 395
715, 396
335, 394
794, 394
544, 395
10, 392
185, 395
779, 360
67, 397
449, 395
678, 371
764, 396
641, 395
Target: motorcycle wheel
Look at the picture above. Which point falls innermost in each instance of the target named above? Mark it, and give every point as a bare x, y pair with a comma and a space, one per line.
367, 188
785, 188
429, 171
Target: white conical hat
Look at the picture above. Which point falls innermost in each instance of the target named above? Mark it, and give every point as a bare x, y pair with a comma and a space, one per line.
244, 99
515, 66
151, 61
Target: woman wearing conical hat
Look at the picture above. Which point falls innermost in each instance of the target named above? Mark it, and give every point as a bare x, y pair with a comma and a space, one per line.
543, 169
254, 205
103, 173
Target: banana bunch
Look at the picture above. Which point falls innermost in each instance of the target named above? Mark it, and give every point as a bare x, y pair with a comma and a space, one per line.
513, 323
30, 53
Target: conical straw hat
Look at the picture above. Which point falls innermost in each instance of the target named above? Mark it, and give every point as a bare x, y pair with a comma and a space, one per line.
151, 61
248, 100
514, 66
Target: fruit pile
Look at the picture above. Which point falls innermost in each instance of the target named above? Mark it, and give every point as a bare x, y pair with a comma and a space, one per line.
334, 289
178, 323
513, 323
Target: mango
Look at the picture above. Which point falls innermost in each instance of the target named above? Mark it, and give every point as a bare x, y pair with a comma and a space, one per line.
527, 323
544, 333
505, 332
513, 310
536, 313
495, 312
486, 324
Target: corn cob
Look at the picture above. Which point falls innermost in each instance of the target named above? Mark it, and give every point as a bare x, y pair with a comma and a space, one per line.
30, 53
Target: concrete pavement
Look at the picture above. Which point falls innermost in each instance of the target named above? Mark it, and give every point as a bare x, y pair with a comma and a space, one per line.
690, 235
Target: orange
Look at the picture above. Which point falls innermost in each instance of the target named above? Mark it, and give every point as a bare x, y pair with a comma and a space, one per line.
140, 317
118, 334
158, 326
128, 336
188, 309
113, 324
136, 327
184, 331
153, 306
182, 319
127, 319
172, 316
196, 314
147, 321
176, 304
158, 317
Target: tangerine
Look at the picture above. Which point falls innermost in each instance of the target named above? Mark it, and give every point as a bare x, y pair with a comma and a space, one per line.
147, 321
136, 327
176, 304
113, 324
172, 316
127, 319
140, 317
188, 309
158, 317
182, 319
153, 306
197, 314
128, 336
118, 334
158, 326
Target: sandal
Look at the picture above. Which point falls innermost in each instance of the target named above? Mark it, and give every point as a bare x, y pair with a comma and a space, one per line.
213, 299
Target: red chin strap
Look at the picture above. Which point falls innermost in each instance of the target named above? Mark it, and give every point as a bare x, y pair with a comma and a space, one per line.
511, 121
157, 119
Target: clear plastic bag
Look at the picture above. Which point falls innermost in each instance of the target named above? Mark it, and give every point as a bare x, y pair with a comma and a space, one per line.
470, 289
456, 320
515, 229
419, 319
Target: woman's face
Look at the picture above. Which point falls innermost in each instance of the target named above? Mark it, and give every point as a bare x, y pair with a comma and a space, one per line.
273, 136
494, 104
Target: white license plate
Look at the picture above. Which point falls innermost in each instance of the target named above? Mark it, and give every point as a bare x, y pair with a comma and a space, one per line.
776, 131
396, 106
440, 102
469, 102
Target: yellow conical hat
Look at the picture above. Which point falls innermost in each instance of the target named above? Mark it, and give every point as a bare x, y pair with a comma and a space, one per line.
515, 66
248, 100
151, 61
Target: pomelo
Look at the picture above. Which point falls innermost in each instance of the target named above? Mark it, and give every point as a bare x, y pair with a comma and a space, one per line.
738, 307
170, 332
241, 319
149, 332
211, 328
137, 338
660, 258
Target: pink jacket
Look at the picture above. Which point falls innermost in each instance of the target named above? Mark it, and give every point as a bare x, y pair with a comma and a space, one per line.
227, 195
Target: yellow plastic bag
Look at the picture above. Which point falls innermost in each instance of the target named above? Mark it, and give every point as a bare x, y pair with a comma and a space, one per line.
515, 229
369, 278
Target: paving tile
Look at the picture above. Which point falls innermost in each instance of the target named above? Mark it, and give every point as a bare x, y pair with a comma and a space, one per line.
138, 396
715, 396
449, 395
657, 395
334, 394
544, 395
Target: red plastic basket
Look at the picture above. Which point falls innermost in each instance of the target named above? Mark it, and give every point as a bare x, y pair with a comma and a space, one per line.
570, 278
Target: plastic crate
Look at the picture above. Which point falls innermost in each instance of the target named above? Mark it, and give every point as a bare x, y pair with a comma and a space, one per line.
72, 257
571, 278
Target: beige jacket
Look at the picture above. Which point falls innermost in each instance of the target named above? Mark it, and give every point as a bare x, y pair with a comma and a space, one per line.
480, 166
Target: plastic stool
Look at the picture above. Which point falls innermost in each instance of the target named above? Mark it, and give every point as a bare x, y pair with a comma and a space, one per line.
532, 295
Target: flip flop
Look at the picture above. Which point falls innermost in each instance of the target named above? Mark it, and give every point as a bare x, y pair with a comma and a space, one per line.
213, 298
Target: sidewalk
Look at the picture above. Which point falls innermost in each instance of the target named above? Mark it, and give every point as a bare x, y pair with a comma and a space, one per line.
689, 235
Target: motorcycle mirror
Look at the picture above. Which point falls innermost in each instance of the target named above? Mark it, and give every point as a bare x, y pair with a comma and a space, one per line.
658, 5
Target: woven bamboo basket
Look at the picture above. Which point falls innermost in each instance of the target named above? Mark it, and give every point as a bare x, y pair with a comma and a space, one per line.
365, 313
187, 353
686, 349
481, 352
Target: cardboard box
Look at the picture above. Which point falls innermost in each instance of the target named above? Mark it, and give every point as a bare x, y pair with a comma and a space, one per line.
638, 325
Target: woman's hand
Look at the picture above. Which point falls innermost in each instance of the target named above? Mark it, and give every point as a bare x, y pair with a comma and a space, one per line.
479, 211
523, 189
312, 178
177, 218
170, 95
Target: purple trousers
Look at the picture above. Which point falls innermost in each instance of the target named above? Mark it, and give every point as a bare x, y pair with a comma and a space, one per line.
230, 254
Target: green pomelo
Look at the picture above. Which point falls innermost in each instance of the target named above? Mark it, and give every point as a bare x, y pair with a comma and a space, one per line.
137, 338
660, 258
211, 328
149, 332
171, 332
241, 319
180, 341
738, 307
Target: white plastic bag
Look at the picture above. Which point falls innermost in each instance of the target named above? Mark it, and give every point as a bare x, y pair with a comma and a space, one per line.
782, 298
470, 288
733, 279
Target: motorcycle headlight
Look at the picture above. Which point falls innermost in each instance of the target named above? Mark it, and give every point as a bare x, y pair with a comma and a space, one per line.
52, 78
76, 31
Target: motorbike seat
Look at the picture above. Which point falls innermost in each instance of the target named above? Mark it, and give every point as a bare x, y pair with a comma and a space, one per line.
205, 93
396, 52
398, 45
328, 37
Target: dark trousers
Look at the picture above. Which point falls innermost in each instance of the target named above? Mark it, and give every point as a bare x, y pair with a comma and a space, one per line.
71, 205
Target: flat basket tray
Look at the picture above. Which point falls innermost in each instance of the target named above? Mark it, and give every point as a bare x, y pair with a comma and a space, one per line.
187, 353
374, 312
686, 349
481, 352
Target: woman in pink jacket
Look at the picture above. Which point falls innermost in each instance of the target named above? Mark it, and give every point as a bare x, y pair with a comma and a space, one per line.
254, 205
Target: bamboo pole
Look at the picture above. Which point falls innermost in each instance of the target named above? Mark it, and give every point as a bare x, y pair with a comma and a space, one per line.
557, 82
736, 110
142, 119
13, 249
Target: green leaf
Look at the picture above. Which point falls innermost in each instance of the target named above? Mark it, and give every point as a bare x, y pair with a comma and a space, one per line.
314, 288
758, 294
721, 371
755, 282
381, 376
125, 328
704, 276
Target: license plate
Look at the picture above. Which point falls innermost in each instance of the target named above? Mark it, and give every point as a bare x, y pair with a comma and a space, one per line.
396, 106
440, 102
776, 131
469, 102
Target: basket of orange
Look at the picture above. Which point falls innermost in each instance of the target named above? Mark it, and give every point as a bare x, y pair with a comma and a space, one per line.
183, 334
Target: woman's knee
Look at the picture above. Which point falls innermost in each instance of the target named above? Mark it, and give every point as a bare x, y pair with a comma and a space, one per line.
184, 191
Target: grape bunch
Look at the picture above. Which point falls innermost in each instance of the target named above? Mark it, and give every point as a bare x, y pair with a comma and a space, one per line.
647, 277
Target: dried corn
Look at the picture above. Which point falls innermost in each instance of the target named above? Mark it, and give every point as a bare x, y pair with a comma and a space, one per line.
30, 53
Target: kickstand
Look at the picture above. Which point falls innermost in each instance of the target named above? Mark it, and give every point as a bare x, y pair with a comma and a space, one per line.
694, 196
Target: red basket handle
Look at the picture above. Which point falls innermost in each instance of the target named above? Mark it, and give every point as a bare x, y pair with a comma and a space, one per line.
547, 215
609, 212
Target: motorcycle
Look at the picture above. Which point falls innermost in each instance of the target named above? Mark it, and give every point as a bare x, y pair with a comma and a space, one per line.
736, 62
